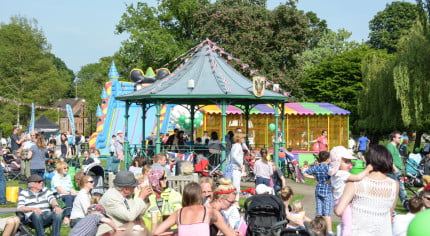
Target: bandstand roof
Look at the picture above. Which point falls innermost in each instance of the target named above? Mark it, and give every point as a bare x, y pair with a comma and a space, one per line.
214, 80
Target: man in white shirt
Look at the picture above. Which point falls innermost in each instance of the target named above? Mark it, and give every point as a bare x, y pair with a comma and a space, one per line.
401, 222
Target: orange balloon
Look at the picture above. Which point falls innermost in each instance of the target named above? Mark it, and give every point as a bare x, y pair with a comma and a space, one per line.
281, 155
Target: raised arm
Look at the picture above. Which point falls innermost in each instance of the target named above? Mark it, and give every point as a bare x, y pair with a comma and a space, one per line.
167, 223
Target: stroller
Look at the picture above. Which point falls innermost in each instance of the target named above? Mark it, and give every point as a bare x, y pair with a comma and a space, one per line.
414, 174
97, 172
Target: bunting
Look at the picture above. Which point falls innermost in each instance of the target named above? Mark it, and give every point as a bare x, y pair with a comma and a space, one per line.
7, 100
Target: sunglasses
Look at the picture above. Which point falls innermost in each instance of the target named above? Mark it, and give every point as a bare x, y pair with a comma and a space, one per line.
427, 198
163, 178
92, 181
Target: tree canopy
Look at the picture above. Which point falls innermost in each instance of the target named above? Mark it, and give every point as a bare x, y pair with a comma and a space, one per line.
388, 25
28, 71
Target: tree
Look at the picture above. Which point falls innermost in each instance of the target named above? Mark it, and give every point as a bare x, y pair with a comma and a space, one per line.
337, 80
329, 45
265, 40
378, 107
27, 70
411, 73
387, 26
157, 35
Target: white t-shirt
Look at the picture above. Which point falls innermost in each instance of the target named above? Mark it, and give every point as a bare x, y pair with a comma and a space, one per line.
401, 223
338, 183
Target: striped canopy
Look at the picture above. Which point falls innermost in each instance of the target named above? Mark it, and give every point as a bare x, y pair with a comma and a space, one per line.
302, 108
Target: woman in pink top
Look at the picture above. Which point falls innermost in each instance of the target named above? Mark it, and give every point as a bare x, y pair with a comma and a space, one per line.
193, 218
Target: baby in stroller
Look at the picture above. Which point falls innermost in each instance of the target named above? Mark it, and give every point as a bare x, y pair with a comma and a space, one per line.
414, 170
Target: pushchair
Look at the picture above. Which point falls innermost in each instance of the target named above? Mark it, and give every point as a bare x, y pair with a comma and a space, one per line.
97, 172
204, 168
414, 174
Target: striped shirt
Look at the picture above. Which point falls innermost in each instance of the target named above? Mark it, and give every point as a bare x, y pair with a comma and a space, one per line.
88, 226
40, 200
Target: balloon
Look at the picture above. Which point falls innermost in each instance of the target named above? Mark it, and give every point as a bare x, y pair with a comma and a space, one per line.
272, 127
187, 126
197, 121
182, 118
281, 155
188, 121
419, 225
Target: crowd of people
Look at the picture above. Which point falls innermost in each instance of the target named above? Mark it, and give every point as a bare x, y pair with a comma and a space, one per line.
211, 206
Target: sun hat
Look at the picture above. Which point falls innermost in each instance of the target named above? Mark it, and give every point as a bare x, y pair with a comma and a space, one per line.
34, 178
119, 132
336, 155
262, 189
125, 178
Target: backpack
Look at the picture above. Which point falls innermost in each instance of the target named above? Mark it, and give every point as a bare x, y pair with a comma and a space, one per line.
262, 212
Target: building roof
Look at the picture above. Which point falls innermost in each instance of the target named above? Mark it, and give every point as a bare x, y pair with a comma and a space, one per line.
303, 108
212, 78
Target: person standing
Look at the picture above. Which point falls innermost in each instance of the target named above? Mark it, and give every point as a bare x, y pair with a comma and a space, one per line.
25, 160
398, 165
3, 200
119, 149
236, 161
321, 142
15, 141
37, 154
363, 143
263, 169
112, 145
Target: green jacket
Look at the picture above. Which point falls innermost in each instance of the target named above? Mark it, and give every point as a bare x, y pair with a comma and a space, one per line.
397, 159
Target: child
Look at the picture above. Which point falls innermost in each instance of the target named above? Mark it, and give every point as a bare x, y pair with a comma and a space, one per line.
323, 195
319, 226
340, 165
88, 226
96, 156
299, 214
95, 198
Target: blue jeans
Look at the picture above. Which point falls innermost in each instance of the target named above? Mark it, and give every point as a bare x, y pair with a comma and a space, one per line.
40, 172
68, 200
39, 222
402, 192
2, 186
261, 180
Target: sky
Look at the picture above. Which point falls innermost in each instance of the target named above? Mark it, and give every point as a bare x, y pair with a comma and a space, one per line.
82, 31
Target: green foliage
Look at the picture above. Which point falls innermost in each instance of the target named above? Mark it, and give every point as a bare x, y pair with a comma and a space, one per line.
387, 26
28, 71
329, 44
157, 35
337, 80
265, 40
378, 107
411, 73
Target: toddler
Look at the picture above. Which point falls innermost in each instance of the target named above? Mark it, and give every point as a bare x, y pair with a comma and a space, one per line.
319, 226
88, 226
340, 165
299, 214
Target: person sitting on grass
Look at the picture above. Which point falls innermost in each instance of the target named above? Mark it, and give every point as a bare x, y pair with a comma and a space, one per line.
299, 214
319, 226
401, 222
89, 224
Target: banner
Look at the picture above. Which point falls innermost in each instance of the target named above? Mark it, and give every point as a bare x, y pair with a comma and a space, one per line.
31, 127
71, 120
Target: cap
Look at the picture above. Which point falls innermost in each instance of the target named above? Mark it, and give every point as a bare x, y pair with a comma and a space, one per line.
119, 132
34, 178
97, 207
125, 178
262, 189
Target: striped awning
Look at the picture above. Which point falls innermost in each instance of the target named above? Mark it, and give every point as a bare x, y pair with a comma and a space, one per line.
302, 108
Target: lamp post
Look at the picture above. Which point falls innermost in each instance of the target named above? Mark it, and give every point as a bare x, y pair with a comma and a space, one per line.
83, 117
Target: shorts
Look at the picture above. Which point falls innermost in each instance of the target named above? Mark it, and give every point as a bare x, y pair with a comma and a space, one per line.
324, 205
2, 223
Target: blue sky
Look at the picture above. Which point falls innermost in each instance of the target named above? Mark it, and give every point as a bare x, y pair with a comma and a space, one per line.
81, 32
